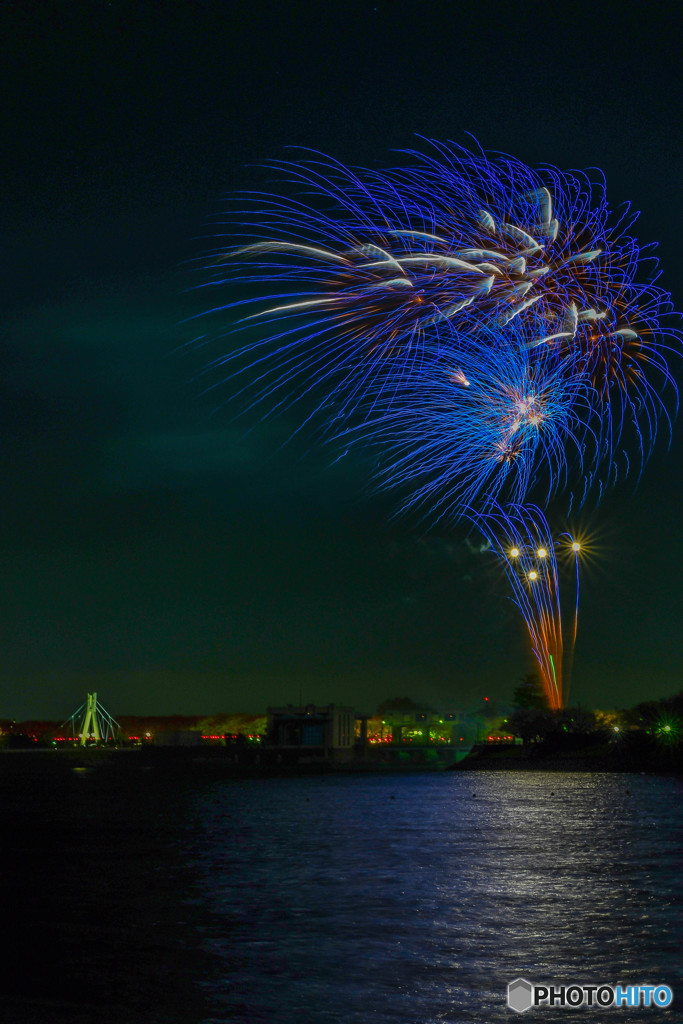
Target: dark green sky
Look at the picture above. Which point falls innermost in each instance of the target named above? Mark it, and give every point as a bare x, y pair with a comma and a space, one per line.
176, 560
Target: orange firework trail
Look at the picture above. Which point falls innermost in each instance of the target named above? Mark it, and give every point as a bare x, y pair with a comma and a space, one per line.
520, 536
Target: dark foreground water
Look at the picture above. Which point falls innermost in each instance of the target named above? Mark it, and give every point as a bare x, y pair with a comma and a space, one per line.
416, 899
138, 894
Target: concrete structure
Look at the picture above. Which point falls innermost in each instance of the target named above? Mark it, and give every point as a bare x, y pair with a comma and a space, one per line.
338, 737
325, 729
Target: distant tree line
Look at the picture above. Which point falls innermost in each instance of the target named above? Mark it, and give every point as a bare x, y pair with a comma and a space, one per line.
534, 722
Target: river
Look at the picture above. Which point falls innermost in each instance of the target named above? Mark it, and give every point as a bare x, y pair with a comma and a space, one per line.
134, 893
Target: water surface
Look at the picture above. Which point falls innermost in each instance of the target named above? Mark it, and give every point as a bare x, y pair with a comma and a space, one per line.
417, 898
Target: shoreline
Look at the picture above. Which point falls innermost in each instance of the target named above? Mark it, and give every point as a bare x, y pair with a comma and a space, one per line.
639, 755
630, 757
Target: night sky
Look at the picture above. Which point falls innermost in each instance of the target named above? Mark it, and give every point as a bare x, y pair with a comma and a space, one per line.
179, 560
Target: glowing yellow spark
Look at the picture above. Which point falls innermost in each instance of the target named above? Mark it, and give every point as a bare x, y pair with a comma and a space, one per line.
514, 553
542, 553
459, 378
533, 575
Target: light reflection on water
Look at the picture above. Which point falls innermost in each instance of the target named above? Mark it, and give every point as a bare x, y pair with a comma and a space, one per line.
417, 898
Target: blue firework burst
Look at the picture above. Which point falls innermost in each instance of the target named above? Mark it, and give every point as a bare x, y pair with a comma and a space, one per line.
353, 289
491, 417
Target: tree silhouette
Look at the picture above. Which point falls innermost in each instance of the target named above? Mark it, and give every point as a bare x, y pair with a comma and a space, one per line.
529, 693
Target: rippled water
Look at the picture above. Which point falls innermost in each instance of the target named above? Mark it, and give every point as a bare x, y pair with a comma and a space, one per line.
417, 898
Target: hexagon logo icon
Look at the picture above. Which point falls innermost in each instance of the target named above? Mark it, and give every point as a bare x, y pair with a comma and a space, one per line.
520, 995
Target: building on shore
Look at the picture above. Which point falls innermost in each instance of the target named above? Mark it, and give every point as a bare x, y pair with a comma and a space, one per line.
423, 728
327, 731
178, 738
339, 736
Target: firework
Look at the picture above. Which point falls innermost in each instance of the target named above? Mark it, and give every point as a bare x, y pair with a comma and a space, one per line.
495, 329
487, 419
365, 270
575, 265
521, 539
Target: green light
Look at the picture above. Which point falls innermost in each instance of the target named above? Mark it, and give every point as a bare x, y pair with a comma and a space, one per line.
668, 728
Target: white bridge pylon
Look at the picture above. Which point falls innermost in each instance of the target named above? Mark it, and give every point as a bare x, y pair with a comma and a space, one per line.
97, 725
